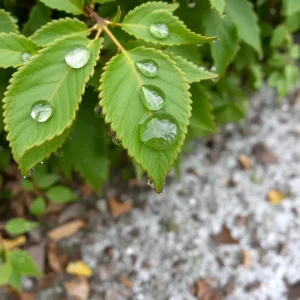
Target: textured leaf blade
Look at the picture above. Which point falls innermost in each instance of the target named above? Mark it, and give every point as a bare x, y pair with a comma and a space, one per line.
61, 194
5, 272
12, 46
192, 72
74, 7
58, 29
243, 16
138, 21
7, 22
19, 226
45, 77
219, 5
124, 109
292, 7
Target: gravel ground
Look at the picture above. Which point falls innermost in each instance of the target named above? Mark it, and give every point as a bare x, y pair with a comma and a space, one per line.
173, 240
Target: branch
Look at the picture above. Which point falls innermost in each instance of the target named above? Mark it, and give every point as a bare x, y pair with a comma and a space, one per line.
94, 16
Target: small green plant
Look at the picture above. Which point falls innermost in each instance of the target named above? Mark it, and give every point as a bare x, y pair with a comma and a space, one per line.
157, 79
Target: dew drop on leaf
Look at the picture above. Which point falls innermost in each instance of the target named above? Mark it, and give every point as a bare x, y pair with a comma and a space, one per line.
152, 97
213, 69
159, 131
41, 111
191, 3
115, 140
98, 111
148, 68
25, 56
151, 183
159, 31
216, 41
78, 56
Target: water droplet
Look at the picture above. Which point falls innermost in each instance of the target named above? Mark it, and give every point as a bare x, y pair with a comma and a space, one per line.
115, 140
148, 67
159, 31
213, 69
202, 68
152, 97
78, 56
191, 3
151, 183
159, 131
25, 177
25, 56
41, 163
41, 111
98, 111
216, 41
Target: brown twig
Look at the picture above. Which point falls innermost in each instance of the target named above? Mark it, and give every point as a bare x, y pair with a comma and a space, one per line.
94, 16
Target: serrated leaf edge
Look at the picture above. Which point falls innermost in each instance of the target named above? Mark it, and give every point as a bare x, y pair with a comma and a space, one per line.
38, 54
65, 10
13, 20
113, 127
49, 24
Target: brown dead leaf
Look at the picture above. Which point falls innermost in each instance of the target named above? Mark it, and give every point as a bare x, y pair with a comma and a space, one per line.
118, 208
78, 288
126, 281
264, 155
87, 190
14, 243
38, 254
57, 260
79, 268
54, 208
72, 211
245, 162
204, 291
66, 230
247, 261
28, 296
224, 237
275, 197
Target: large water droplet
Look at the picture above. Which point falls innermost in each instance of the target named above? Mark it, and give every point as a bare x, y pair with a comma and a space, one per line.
98, 111
151, 183
78, 56
148, 67
25, 56
41, 111
159, 131
159, 31
152, 97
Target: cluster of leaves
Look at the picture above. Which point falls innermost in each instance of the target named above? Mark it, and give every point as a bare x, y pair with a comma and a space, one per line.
239, 47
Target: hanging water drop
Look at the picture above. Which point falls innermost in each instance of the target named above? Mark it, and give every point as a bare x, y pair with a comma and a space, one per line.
25, 56
159, 131
202, 68
148, 67
152, 97
115, 140
151, 183
159, 31
98, 111
191, 3
213, 69
216, 41
41, 111
78, 56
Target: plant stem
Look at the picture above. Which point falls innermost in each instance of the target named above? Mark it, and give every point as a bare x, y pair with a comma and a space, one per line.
94, 16
113, 38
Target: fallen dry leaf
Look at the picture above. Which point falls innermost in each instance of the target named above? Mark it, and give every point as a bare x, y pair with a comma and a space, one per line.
224, 237
28, 296
118, 208
54, 208
78, 288
275, 197
87, 190
245, 162
79, 268
264, 155
204, 291
247, 261
56, 259
125, 281
38, 254
14, 243
66, 230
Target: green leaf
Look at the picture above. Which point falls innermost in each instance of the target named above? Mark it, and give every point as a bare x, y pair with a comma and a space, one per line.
225, 48
89, 135
125, 116
58, 29
278, 36
291, 74
12, 46
192, 72
27, 185
218, 5
117, 17
45, 77
291, 7
44, 180
243, 16
103, 1
5, 273
202, 121
61, 194
138, 21
22, 263
39, 15
8, 23
74, 7
15, 281
18, 226
38, 207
